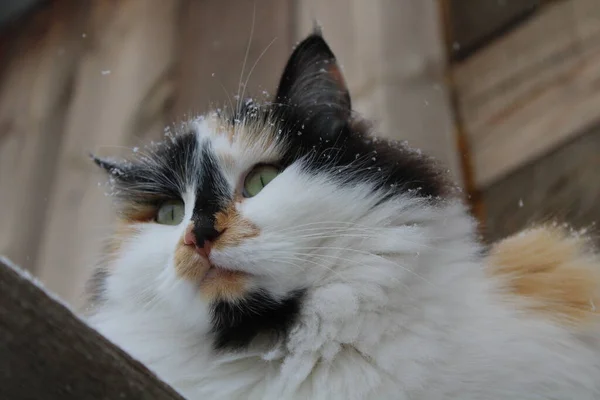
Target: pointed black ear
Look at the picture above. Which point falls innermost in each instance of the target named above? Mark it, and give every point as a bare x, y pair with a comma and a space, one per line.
113, 168
312, 78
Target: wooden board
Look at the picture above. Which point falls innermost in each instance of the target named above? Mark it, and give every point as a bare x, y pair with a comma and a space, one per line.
120, 96
562, 186
531, 90
48, 353
393, 58
475, 23
37, 74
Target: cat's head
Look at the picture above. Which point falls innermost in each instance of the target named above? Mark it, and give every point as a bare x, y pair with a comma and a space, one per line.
234, 219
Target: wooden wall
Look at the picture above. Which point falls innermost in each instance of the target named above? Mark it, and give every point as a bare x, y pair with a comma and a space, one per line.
529, 103
77, 77
503, 97
561, 186
105, 76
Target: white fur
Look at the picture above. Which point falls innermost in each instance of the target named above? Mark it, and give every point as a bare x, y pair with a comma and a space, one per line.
398, 306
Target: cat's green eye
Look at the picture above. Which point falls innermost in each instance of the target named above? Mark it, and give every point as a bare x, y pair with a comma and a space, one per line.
258, 178
170, 213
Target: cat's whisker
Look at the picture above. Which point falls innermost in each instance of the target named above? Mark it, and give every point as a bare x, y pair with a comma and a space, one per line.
274, 276
255, 64
290, 257
330, 230
331, 227
333, 235
228, 96
322, 231
303, 257
240, 100
326, 223
366, 253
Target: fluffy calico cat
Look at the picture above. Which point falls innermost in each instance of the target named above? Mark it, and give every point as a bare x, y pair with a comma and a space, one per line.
282, 252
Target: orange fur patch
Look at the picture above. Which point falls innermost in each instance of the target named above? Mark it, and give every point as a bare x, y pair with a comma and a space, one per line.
224, 284
556, 272
218, 284
336, 74
235, 228
190, 265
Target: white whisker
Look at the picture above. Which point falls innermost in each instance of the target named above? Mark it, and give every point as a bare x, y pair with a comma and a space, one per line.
254, 66
240, 100
366, 253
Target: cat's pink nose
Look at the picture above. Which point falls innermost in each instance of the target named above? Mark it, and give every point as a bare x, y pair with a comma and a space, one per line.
202, 247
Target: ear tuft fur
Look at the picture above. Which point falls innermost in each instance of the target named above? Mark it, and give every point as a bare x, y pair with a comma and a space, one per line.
110, 166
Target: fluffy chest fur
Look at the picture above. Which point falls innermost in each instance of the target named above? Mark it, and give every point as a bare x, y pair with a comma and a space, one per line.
282, 252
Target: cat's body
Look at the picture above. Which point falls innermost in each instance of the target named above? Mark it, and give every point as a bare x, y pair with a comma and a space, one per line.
349, 272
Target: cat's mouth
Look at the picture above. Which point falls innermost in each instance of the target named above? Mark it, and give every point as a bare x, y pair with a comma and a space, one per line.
215, 281
221, 283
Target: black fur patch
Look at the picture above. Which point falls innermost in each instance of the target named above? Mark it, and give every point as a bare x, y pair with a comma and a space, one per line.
156, 175
212, 194
314, 108
235, 325
164, 171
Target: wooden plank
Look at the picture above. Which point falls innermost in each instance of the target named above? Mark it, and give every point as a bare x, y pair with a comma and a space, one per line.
393, 57
122, 89
214, 37
533, 89
49, 353
474, 23
561, 186
39, 63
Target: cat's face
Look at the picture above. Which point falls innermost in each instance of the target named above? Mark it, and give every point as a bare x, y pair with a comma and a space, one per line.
234, 218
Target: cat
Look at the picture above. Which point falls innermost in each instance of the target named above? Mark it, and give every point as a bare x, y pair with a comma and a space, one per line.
281, 251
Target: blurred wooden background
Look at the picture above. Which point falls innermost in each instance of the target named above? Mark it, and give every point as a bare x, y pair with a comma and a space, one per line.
504, 92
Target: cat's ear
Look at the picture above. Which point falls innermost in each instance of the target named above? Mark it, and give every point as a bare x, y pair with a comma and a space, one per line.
313, 79
112, 167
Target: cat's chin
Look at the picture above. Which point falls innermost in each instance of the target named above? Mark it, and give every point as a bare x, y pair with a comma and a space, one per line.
214, 281
220, 283
216, 273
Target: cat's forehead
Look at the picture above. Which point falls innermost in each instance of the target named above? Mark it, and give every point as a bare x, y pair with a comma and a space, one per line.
237, 145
